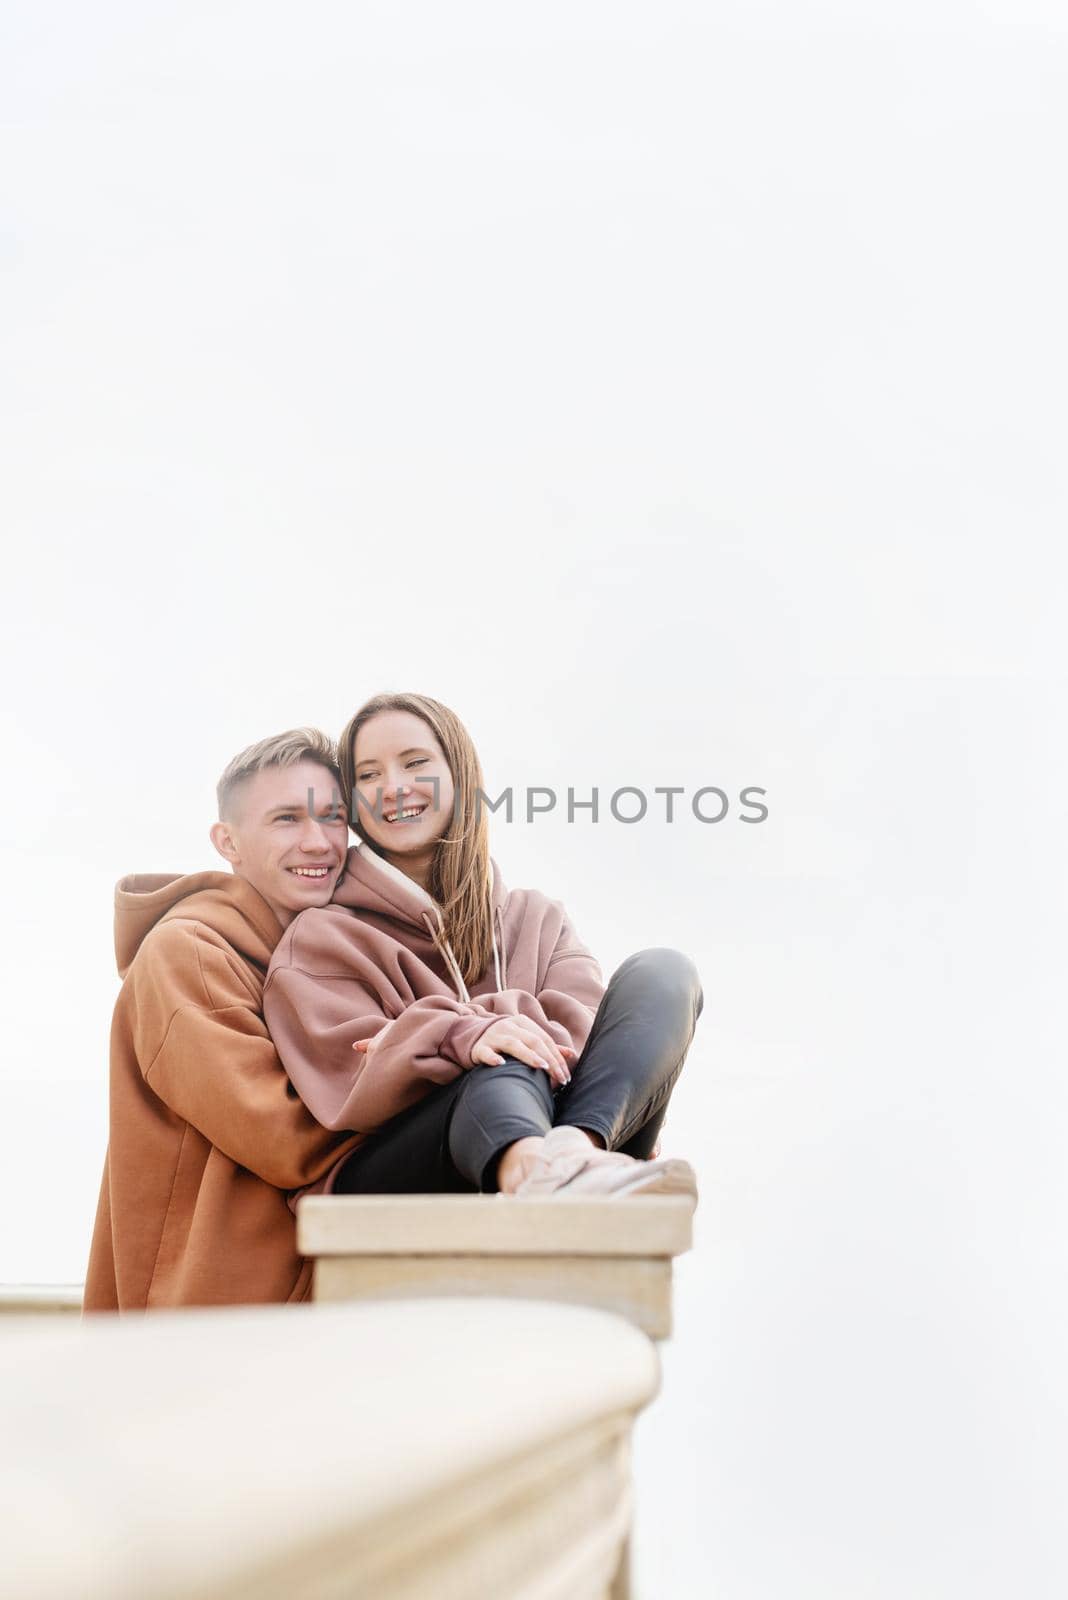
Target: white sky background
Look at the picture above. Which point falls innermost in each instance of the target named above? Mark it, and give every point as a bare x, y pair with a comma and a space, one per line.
678, 392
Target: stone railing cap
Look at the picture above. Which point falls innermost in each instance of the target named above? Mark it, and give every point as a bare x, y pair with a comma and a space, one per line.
493, 1224
149, 1454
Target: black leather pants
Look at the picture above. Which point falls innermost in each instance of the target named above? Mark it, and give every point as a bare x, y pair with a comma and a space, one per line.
452, 1140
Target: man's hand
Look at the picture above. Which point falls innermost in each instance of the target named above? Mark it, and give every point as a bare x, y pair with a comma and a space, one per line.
522, 1038
367, 1047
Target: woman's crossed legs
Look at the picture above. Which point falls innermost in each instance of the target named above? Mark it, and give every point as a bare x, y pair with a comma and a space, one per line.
453, 1140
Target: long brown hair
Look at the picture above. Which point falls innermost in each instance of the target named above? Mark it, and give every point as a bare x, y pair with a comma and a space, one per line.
460, 872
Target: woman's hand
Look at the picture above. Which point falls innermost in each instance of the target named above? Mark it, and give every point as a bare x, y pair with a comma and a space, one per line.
522, 1038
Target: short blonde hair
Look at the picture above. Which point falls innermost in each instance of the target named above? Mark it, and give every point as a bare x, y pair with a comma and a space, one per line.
281, 750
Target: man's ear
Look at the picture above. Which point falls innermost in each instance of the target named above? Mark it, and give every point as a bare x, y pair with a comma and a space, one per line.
222, 838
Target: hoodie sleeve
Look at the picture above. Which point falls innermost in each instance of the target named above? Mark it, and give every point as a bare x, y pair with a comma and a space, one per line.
204, 1049
316, 1015
565, 1003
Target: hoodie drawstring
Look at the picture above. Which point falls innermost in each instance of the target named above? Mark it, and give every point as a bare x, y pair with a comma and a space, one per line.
450, 960
501, 964
500, 967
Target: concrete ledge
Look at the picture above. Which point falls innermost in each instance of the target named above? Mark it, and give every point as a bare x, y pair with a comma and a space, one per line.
372, 1452
492, 1224
612, 1254
40, 1299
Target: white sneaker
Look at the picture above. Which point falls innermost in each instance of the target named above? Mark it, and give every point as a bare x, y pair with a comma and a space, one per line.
569, 1164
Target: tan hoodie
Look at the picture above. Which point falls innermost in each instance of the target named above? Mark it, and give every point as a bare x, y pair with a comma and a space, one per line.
370, 958
206, 1132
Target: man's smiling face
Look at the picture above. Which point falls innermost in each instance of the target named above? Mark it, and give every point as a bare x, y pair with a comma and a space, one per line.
287, 835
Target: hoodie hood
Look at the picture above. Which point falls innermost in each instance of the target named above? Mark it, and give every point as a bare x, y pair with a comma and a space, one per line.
372, 885
221, 900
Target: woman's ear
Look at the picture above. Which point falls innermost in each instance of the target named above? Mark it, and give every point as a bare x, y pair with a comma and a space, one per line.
222, 838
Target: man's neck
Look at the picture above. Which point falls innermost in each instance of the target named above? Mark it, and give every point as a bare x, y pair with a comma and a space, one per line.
283, 913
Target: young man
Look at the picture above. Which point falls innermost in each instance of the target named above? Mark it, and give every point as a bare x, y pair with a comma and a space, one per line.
206, 1131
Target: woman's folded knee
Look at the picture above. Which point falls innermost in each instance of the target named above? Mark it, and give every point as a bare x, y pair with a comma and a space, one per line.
508, 1068
669, 969
482, 1079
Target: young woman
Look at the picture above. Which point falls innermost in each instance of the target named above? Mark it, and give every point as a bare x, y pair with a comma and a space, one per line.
463, 1029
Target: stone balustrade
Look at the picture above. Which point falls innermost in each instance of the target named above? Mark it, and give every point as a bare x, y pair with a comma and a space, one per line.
18, 1300
600, 1251
394, 1450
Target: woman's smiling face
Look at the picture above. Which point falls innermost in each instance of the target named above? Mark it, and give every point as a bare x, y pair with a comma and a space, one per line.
404, 789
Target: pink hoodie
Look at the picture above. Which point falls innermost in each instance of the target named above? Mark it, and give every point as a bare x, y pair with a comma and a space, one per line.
369, 960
